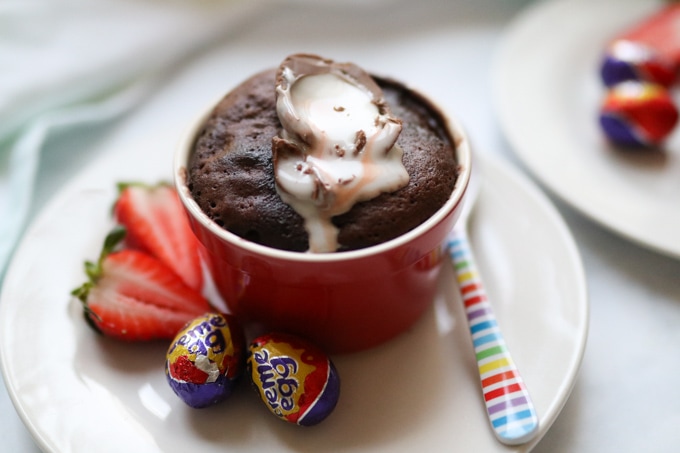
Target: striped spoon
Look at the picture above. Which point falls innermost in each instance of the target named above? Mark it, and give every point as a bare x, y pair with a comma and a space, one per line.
508, 404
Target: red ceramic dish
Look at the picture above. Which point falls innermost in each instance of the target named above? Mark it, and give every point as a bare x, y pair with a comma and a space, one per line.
343, 302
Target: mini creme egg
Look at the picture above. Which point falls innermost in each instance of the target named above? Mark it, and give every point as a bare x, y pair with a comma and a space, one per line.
627, 60
205, 359
636, 114
295, 379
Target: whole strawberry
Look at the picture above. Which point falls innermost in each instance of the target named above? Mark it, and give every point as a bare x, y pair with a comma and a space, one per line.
133, 296
157, 224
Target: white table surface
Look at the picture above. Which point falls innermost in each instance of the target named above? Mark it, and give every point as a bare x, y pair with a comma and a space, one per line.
626, 397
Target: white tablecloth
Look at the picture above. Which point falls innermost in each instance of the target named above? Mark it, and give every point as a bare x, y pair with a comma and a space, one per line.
128, 54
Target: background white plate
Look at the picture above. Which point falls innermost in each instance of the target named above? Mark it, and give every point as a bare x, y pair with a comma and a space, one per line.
78, 392
547, 89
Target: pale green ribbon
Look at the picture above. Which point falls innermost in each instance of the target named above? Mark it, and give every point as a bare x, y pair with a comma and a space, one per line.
72, 63
23, 154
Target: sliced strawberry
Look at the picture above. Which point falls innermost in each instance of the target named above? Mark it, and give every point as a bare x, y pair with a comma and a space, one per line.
157, 224
133, 296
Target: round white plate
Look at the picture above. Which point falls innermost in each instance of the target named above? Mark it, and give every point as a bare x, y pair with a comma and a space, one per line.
79, 392
547, 90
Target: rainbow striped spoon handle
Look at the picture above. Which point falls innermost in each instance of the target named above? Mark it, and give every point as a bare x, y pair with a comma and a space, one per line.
508, 405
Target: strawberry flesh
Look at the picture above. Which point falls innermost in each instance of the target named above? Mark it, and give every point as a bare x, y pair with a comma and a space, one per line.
126, 318
157, 224
133, 296
140, 276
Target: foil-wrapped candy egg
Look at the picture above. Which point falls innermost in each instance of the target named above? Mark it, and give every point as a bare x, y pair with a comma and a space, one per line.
205, 359
295, 379
638, 114
626, 60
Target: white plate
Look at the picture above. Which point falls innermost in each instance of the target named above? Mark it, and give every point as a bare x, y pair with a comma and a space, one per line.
78, 392
547, 90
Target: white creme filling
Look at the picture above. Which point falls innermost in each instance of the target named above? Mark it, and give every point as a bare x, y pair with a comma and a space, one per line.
325, 116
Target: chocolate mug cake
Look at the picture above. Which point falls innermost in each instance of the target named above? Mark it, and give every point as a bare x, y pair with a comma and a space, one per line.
261, 162
317, 157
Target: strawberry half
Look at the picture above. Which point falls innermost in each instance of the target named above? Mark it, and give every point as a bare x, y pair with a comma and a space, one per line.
133, 296
157, 224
